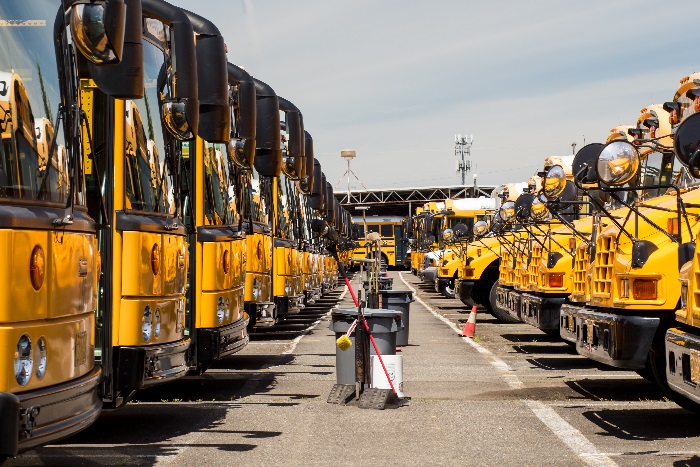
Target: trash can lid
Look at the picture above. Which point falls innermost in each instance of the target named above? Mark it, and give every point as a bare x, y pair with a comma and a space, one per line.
395, 292
368, 312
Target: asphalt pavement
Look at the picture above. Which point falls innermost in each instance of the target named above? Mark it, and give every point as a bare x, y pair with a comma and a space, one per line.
510, 396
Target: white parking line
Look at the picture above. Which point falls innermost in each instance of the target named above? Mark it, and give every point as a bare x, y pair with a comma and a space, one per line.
569, 435
566, 433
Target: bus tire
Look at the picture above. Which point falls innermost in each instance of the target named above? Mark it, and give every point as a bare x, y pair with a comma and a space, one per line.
449, 290
499, 314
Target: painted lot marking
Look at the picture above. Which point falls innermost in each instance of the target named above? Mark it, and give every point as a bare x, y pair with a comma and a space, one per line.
567, 434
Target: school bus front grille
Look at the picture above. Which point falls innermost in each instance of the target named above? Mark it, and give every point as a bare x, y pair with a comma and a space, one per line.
695, 284
521, 270
503, 267
581, 261
603, 266
534, 268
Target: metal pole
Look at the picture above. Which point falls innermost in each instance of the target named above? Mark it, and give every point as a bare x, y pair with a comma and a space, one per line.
348, 180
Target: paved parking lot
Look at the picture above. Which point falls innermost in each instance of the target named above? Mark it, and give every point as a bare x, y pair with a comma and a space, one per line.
511, 396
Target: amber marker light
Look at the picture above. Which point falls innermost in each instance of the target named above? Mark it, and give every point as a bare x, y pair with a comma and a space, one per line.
155, 259
37, 267
226, 262
644, 289
556, 280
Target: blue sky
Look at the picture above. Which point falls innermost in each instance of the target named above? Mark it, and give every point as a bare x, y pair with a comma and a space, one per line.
395, 80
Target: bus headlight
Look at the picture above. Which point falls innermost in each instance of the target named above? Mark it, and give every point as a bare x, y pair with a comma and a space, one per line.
228, 309
617, 163
40, 358
287, 287
220, 310
156, 327
147, 323
23, 360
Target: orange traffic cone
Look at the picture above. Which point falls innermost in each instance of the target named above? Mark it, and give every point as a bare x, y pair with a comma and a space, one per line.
470, 325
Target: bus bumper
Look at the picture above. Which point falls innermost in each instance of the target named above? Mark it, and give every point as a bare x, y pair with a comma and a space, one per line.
46, 415
508, 300
616, 340
441, 283
463, 289
288, 305
683, 358
429, 274
543, 313
567, 322
150, 365
312, 295
216, 343
261, 313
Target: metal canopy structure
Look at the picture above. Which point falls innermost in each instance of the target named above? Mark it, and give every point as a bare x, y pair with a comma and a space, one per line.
404, 201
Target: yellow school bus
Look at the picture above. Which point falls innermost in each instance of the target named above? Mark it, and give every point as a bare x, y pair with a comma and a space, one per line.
215, 319
50, 383
393, 246
142, 242
259, 208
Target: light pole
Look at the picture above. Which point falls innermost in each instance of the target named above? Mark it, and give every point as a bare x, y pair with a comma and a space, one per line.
348, 155
463, 146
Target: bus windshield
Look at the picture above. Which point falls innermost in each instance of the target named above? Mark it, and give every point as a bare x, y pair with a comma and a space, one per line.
219, 191
29, 100
149, 180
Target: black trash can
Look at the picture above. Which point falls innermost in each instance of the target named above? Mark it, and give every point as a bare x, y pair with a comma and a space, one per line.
398, 300
383, 324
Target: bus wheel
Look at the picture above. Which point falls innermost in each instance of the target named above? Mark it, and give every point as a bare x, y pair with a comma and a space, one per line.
449, 290
499, 314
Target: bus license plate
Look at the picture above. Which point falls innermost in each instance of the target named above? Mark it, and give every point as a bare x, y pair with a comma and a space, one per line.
589, 333
80, 351
695, 366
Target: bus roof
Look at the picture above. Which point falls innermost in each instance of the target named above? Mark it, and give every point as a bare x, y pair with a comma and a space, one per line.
378, 219
471, 204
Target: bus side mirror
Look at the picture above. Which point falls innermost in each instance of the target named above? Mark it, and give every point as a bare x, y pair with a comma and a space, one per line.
460, 230
307, 182
97, 29
124, 80
212, 81
181, 112
318, 189
268, 154
295, 158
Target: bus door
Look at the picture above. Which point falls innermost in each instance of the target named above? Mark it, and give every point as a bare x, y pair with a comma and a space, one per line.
401, 245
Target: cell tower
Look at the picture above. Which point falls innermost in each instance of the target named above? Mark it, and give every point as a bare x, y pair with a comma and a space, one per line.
463, 147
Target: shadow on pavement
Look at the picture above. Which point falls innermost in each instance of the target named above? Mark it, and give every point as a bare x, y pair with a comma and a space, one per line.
635, 389
633, 424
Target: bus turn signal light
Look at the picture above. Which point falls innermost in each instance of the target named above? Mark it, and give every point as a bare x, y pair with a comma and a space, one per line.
155, 259
37, 267
644, 289
556, 280
672, 226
